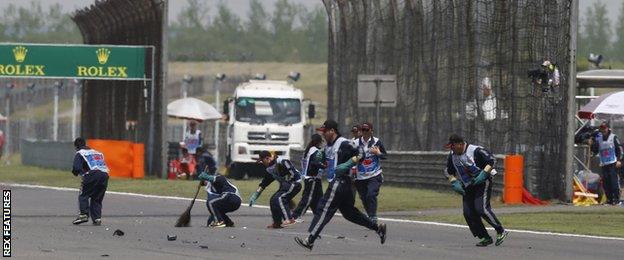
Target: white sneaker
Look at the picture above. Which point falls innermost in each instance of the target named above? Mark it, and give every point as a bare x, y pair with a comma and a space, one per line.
288, 222
298, 220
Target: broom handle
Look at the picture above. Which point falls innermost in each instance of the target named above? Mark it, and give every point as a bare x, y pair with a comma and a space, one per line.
196, 193
198, 188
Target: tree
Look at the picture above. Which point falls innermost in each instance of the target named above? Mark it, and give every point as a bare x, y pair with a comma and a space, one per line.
60, 27
257, 35
188, 35
584, 30
618, 46
290, 33
195, 15
314, 33
596, 37
226, 31
282, 25
32, 24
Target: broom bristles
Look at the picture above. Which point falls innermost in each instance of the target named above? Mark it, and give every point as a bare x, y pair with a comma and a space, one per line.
185, 219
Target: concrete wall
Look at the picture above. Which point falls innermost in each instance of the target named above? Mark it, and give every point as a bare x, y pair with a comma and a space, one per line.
419, 169
47, 154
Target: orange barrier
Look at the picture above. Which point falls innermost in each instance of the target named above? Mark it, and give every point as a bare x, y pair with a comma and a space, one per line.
123, 158
514, 183
139, 161
527, 198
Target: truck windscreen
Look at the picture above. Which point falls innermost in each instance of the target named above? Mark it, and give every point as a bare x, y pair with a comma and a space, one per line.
268, 110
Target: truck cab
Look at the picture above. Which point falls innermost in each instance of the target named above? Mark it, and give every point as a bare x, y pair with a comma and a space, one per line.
263, 115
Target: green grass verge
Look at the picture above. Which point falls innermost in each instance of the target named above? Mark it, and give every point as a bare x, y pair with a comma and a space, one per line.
390, 198
604, 221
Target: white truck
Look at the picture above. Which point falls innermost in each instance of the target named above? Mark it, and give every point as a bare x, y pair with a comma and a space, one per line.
263, 115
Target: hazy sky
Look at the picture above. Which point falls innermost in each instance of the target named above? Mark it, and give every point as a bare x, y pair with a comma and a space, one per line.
241, 7
613, 8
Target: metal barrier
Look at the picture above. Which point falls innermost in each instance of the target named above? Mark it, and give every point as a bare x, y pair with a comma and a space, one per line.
418, 169
424, 169
48, 154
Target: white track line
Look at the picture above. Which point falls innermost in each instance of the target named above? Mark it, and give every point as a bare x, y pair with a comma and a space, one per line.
384, 219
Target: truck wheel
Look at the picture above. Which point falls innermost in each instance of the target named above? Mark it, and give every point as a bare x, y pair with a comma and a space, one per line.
228, 158
255, 170
235, 171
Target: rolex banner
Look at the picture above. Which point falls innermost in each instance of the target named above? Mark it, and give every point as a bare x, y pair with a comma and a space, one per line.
74, 61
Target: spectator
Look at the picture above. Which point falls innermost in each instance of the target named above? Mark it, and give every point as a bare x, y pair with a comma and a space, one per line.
607, 146
187, 165
192, 138
489, 99
554, 77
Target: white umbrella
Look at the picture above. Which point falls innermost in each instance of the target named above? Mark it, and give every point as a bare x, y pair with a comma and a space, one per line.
192, 108
610, 104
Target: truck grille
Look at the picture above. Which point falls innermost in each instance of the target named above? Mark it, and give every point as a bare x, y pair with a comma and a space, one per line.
268, 143
257, 136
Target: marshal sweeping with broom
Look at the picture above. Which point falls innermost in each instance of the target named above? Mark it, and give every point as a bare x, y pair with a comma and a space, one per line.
185, 219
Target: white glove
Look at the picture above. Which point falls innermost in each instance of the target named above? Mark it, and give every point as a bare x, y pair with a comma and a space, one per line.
493, 172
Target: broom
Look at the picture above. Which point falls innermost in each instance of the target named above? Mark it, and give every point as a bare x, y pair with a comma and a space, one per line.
185, 219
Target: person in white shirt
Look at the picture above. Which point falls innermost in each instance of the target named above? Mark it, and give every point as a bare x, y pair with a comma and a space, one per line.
192, 138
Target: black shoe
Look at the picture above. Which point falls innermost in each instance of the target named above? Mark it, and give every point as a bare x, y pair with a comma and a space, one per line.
501, 237
209, 221
485, 242
97, 222
381, 231
82, 218
304, 243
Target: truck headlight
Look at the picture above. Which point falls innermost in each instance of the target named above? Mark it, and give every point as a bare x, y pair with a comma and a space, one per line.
242, 150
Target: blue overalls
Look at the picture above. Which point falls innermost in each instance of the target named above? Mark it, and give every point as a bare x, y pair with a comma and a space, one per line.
90, 165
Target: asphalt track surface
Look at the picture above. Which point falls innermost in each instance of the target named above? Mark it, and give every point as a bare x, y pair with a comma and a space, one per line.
42, 229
